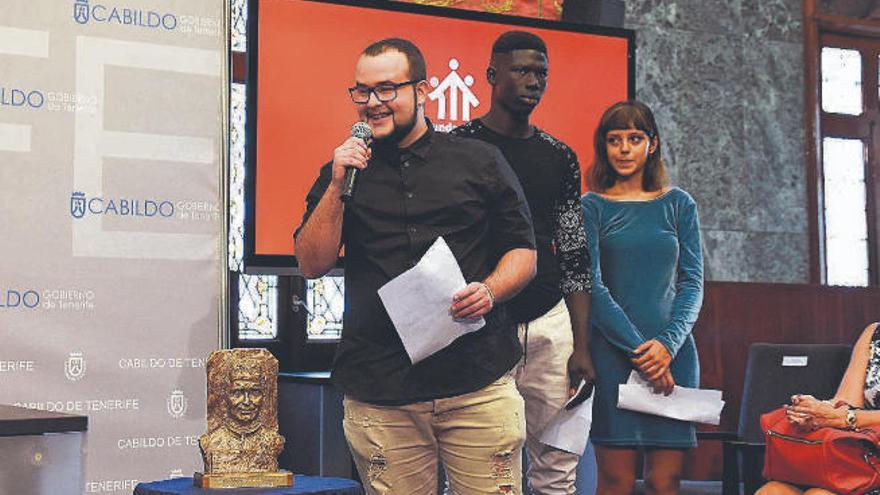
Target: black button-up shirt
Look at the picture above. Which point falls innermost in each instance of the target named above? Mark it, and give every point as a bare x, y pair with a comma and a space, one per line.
441, 185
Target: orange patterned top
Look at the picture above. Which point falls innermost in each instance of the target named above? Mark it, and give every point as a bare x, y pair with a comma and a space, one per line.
542, 9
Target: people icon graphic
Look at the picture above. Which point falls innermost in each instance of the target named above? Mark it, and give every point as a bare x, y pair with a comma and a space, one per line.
453, 84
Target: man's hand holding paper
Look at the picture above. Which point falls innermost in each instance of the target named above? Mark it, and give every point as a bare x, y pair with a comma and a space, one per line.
474, 301
569, 429
420, 303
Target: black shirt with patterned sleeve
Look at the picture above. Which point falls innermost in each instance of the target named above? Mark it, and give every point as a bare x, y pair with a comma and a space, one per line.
551, 180
442, 185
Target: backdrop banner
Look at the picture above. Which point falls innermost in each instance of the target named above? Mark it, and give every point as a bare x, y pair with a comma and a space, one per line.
111, 124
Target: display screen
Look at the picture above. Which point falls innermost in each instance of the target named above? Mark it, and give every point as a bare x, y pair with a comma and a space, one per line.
302, 64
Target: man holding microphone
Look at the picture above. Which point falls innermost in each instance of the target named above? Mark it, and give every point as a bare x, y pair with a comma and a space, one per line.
458, 406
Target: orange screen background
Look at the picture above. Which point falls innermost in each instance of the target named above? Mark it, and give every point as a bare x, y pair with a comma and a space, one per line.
306, 57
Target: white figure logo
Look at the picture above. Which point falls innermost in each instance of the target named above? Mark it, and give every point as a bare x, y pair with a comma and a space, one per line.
454, 84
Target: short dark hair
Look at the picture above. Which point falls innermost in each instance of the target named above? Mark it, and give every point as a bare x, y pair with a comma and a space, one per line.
623, 115
414, 58
518, 40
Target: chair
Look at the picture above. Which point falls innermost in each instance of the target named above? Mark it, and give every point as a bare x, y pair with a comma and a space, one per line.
774, 372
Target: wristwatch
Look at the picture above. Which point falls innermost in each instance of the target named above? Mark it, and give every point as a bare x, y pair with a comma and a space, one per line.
851, 419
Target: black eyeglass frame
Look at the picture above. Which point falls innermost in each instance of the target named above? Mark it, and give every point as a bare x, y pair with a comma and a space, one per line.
372, 90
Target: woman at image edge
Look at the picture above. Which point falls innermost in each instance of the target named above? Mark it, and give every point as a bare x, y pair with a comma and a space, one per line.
644, 239
859, 389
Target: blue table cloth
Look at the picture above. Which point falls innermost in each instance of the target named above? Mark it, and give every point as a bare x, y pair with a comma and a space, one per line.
302, 485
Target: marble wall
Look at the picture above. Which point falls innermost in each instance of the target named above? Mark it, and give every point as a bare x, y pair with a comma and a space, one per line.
725, 78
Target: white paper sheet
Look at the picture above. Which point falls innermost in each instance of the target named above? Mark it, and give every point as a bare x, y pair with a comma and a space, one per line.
686, 404
418, 302
569, 430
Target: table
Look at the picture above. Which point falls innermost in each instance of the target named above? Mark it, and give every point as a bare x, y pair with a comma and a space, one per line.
302, 485
18, 421
42, 451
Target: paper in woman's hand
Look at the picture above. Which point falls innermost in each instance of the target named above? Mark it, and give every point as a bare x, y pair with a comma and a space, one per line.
418, 302
686, 404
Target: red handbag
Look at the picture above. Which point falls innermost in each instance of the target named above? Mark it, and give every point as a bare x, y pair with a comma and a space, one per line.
842, 461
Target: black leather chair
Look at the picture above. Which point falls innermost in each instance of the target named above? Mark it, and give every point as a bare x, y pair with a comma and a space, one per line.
774, 372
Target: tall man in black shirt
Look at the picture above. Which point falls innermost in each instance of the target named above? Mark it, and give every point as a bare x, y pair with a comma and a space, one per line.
413, 186
555, 340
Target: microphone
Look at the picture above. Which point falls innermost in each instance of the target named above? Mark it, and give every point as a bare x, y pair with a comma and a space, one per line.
359, 130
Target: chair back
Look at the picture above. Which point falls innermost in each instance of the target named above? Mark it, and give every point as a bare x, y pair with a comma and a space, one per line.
775, 372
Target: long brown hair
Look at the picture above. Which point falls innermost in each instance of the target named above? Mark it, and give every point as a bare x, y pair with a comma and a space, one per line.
631, 114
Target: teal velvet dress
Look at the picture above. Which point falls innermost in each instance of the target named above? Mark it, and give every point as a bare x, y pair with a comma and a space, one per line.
647, 266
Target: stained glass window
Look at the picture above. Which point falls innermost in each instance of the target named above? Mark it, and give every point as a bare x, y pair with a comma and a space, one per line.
257, 294
238, 25
257, 306
324, 303
236, 176
846, 226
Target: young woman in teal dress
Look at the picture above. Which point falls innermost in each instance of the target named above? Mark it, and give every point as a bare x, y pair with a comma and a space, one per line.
646, 255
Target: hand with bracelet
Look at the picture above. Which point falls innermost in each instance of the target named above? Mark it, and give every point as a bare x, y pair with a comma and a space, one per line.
854, 407
474, 301
810, 413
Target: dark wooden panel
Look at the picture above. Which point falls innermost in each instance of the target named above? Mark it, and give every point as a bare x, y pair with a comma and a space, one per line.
869, 28
735, 315
813, 143
18, 421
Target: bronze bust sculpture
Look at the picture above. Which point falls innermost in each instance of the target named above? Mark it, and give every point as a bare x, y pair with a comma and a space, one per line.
242, 444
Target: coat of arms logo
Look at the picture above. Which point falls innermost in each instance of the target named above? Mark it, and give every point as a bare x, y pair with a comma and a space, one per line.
75, 366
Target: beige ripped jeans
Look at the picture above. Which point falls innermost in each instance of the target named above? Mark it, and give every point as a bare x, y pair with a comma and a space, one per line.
477, 436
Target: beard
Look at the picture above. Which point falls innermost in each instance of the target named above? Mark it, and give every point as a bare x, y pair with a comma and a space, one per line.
401, 130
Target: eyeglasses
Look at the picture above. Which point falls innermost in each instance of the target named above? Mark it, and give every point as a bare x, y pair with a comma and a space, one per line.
384, 92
